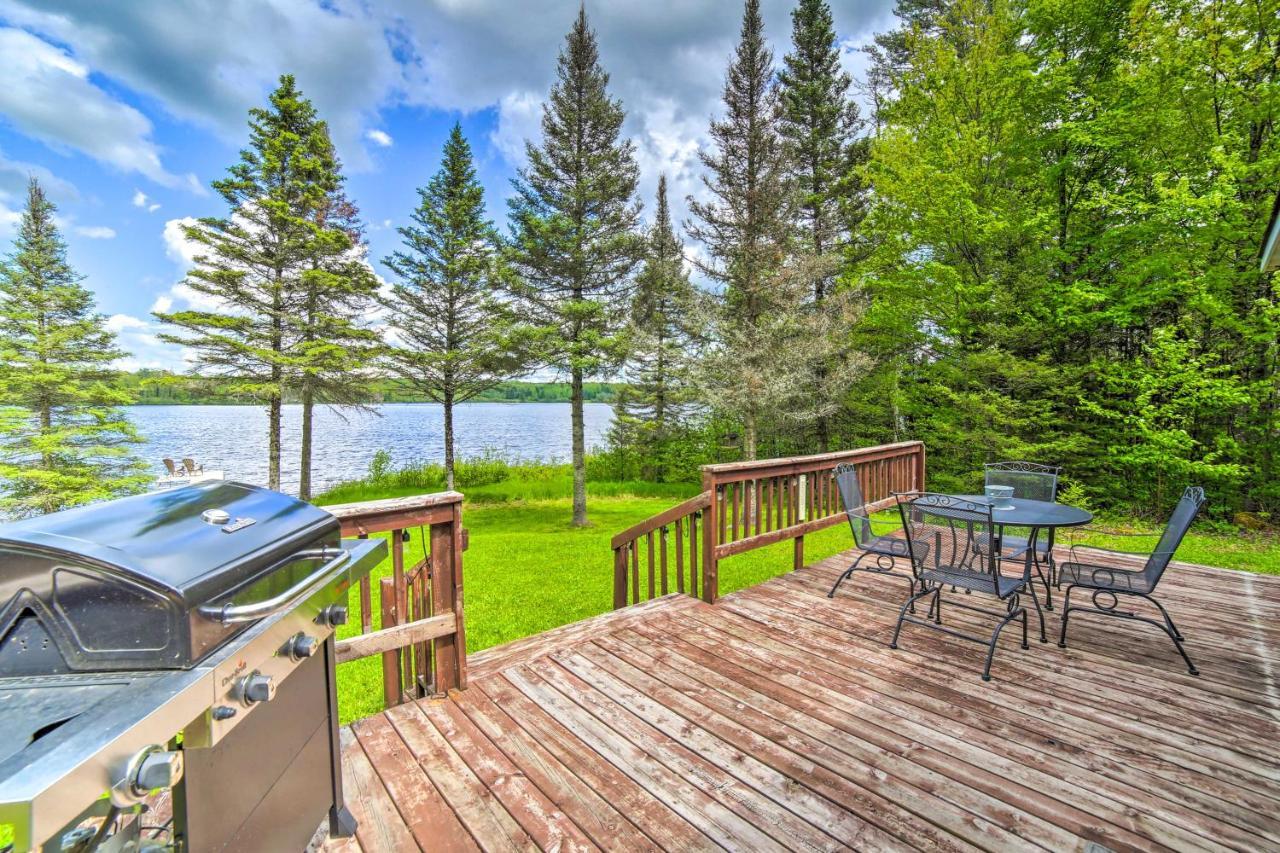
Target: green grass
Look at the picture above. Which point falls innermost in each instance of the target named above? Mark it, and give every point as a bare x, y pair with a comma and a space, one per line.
528, 571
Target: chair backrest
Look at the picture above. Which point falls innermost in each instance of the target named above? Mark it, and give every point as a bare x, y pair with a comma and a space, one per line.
944, 531
1183, 514
855, 506
190, 465
173, 469
1030, 480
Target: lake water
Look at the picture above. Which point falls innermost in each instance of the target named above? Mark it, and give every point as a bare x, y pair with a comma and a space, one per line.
234, 438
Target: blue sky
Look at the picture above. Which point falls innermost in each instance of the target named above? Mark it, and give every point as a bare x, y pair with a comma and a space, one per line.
127, 109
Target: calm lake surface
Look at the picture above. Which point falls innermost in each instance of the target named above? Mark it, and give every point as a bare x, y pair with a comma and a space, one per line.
234, 438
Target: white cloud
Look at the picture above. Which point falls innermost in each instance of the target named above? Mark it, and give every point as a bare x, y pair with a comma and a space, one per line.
142, 200
95, 232
519, 114
180, 250
45, 93
211, 62
163, 304
379, 138
119, 322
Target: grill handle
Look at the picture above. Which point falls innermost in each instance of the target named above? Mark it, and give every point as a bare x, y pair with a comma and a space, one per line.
229, 614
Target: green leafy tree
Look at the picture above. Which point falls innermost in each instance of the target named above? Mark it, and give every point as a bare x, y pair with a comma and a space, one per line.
63, 439
254, 260
573, 241
454, 340
654, 408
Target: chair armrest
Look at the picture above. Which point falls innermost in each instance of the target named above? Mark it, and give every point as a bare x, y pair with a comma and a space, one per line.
1078, 537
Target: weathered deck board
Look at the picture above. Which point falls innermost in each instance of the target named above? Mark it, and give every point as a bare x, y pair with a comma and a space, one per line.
779, 719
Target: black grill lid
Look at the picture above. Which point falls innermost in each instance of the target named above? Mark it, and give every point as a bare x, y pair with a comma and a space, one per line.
198, 541
119, 585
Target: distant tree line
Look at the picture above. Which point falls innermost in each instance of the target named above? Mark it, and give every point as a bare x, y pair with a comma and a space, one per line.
1041, 242
149, 386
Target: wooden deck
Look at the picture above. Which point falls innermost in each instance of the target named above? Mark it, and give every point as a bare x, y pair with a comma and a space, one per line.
778, 719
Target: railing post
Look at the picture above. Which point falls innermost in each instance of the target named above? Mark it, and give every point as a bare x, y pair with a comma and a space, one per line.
710, 539
446, 594
920, 468
390, 660
619, 577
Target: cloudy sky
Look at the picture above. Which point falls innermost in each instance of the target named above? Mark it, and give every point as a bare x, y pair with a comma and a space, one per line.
127, 109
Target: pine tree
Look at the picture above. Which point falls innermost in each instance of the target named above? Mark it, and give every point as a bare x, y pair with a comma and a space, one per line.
254, 258
335, 347
650, 411
449, 324
746, 233
818, 123
573, 244
63, 439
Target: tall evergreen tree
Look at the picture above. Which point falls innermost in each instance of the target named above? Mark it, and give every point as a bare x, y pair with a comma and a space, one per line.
745, 229
63, 439
255, 258
334, 346
819, 122
451, 328
654, 406
573, 244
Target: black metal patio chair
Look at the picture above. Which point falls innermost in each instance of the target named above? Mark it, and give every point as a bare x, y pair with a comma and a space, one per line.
885, 549
950, 540
1036, 482
1108, 583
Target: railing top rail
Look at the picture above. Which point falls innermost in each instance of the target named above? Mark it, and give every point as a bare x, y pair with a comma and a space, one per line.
693, 504
394, 513
731, 470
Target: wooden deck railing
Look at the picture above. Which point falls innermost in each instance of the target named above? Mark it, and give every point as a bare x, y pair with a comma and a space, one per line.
748, 505
420, 627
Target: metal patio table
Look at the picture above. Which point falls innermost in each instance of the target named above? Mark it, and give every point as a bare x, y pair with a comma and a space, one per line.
1035, 516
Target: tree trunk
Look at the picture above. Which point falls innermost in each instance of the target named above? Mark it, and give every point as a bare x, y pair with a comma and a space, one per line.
448, 440
749, 435
579, 452
273, 442
304, 463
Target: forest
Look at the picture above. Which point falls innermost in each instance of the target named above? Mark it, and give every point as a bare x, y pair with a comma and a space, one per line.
1030, 231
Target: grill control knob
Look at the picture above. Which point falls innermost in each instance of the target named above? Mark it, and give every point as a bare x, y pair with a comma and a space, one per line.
257, 688
158, 770
302, 646
334, 615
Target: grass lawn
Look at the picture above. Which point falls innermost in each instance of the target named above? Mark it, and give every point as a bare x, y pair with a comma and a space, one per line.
527, 570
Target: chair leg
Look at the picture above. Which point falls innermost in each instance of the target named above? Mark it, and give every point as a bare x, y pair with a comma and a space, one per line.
995, 638
1066, 613
847, 574
1177, 635
902, 614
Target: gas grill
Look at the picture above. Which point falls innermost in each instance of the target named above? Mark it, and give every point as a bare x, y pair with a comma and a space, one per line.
178, 641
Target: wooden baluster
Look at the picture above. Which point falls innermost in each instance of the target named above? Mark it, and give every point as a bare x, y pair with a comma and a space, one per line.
662, 543
648, 540
390, 660
722, 510
635, 571
733, 525
768, 503
755, 506
693, 554
366, 605
680, 554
